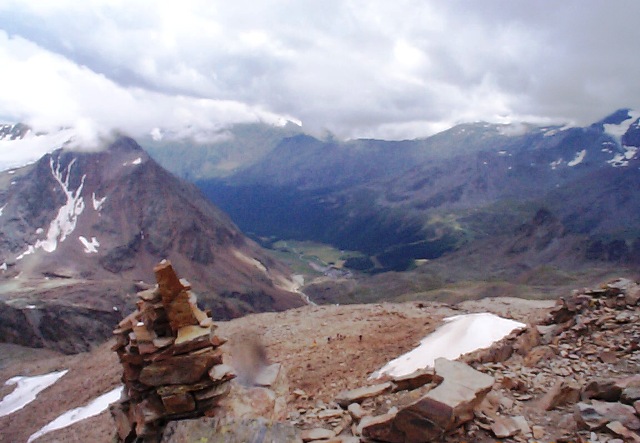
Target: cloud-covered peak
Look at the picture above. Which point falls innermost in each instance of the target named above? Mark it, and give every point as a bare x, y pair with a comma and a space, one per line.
354, 68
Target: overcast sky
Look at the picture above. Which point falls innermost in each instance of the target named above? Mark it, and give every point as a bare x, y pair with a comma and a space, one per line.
387, 69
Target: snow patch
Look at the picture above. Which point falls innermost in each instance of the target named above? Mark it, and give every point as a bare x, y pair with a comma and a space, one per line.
30, 250
3, 266
459, 335
2, 209
27, 389
65, 221
95, 407
617, 131
249, 260
552, 132
556, 163
137, 161
622, 159
90, 247
578, 158
97, 202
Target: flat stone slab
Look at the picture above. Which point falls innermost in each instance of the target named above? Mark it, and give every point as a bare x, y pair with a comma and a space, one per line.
345, 398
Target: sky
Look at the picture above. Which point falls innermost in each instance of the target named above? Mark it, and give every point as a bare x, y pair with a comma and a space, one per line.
353, 68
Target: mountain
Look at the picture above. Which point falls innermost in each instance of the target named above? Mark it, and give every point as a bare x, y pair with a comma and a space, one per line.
419, 199
79, 229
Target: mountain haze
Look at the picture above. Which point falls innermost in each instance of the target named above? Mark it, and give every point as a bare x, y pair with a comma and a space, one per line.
419, 199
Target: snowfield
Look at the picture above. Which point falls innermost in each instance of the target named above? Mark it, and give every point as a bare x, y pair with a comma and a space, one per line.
459, 335
94, 407
27, 389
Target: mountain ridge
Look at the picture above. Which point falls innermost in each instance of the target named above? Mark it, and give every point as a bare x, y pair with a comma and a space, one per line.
101, 220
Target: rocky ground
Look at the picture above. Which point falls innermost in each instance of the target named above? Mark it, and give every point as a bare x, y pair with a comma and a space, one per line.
573, 359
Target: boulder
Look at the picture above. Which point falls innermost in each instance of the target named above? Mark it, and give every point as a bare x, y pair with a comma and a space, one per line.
380, 428
564, 392
505, 427
442, 409
597, 414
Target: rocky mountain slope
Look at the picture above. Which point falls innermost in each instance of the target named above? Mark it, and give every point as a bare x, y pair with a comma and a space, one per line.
420, 199
80, 229
570, 375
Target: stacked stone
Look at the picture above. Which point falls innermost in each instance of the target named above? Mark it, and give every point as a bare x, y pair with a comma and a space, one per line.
172, 367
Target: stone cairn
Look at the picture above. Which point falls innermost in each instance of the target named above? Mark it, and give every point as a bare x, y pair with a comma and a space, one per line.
172, 367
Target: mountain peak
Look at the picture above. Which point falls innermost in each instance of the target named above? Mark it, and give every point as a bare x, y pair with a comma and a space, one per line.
616, 117
124, 144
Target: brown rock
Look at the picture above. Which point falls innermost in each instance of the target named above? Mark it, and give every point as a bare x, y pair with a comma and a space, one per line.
447, 406
597, 414
564, 392
181, 369
630, 394
345, 398
632, 295
196, 344
191, 332
356, 411
142, 333
221, 373
381, 428
217, 391
415, 380
178, 403
620, 430
541, 353
527, 340
179, 389
609, 357
538, 432
150, 295
216, 341
169, 285
147, 411
179, 312
316, 434
606, 390
163, 342
504, 427
120, 415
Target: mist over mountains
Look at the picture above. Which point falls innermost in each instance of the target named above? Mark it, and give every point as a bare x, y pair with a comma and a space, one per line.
398, 201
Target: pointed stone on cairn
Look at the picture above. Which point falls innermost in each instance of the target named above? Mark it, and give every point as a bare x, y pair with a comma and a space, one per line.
172, 367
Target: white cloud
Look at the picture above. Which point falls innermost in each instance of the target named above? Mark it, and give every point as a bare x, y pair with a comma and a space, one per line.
353, 67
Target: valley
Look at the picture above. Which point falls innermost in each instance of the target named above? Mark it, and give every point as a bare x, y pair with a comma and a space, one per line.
335, 257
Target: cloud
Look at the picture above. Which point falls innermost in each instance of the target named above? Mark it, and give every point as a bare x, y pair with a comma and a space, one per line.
355, 68
50, 92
